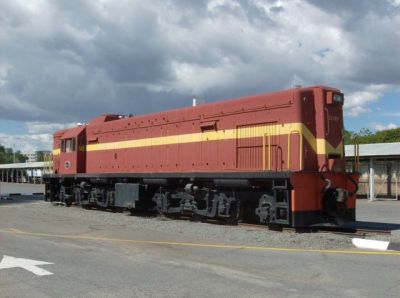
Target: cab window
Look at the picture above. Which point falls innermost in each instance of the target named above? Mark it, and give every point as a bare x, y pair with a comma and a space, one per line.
68, 145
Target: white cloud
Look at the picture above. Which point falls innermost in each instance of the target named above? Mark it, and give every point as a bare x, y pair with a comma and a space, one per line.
392, 114
380, 127
27, 143
39, 136
212, 5
358, 102
395, 3
69, 61
37, 127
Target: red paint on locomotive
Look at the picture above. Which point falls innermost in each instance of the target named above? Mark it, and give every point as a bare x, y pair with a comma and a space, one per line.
297, 131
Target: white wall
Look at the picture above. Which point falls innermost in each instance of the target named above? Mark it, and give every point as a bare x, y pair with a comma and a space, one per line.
22, 188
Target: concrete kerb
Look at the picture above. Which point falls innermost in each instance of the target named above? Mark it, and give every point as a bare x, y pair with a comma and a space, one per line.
375, 244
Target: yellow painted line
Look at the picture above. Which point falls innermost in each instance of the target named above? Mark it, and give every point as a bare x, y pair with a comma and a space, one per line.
320, 146
16, 231
202, 245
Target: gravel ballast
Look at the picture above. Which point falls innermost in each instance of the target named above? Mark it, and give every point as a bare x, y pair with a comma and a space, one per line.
159, 228
197, 231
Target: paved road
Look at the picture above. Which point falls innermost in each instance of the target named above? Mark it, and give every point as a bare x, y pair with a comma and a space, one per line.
378, 211
92, 259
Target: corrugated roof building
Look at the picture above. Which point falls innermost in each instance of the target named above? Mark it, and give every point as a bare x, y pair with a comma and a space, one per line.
28, 172
379, 169
375, 150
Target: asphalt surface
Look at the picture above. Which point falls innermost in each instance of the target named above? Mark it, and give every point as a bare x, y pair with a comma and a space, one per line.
382, 210
94, 259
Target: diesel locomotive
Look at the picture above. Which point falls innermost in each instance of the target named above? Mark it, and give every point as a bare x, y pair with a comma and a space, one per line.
273, 158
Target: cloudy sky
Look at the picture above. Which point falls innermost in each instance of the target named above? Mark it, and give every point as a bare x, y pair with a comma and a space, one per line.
63, 62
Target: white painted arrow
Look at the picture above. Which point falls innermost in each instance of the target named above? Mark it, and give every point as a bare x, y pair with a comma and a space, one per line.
27, 264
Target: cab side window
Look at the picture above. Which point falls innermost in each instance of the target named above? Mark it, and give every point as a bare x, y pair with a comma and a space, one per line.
68, 145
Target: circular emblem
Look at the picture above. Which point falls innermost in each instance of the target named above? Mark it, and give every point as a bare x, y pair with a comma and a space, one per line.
67, 164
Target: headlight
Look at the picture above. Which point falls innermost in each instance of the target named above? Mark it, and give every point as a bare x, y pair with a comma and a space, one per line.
338, 98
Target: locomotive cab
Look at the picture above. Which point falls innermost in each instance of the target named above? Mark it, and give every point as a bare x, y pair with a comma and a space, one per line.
72, 151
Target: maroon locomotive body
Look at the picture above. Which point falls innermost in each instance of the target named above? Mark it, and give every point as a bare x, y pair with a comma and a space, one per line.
275, 158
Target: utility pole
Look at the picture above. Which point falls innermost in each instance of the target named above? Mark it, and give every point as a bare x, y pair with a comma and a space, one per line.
13, 153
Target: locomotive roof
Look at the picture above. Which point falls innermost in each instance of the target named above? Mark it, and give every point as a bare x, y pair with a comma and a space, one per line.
217, 103
73, 132
202, 108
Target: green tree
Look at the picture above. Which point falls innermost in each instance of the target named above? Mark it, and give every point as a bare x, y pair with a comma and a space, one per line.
348, 137
7, 155
366, 136
19, 157
40, 155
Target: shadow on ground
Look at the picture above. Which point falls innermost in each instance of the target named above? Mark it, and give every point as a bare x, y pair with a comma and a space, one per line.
365, 225
18, 199
379, 226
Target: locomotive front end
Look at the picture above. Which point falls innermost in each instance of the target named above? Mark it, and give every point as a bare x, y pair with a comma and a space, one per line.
327, 193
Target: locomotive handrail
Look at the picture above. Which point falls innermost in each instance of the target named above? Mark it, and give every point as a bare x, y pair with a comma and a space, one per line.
327, 128
301, 148
269, 151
